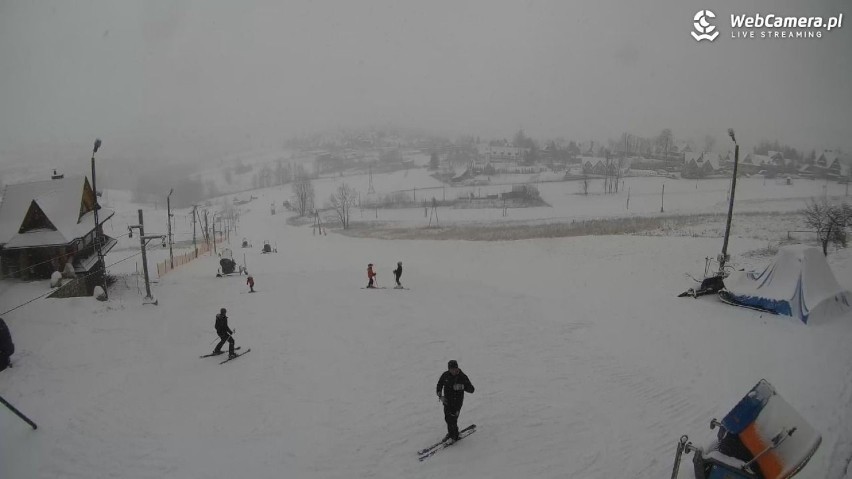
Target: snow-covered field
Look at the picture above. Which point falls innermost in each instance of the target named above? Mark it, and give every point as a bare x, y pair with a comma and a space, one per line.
586, 364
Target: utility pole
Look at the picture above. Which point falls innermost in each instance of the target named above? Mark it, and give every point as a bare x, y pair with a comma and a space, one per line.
101, 264
169, 210
194, 247
206, 230
143, 242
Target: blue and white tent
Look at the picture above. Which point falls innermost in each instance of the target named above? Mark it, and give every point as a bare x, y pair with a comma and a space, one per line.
797, 283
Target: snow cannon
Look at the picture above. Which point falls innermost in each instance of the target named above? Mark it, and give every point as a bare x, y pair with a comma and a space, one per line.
228, 265
762, 437
267, 248
245, 243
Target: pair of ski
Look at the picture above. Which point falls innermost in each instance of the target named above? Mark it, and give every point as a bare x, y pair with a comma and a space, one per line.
223, 352
442, 444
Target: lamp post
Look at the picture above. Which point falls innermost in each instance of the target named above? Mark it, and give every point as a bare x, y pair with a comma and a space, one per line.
97, 239
723, 258
169, 210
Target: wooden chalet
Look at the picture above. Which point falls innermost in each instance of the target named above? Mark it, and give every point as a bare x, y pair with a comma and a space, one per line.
47, 225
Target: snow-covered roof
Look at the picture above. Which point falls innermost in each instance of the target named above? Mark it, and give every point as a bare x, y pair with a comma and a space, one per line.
721, 155
830, 156
60, 202
760, 159
712, 160
692, 156
773, 154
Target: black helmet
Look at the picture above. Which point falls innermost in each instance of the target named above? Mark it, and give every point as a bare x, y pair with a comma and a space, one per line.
223, 311
399, 263
452, 364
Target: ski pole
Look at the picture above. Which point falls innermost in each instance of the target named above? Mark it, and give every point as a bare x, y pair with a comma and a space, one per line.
18, 413
229, 335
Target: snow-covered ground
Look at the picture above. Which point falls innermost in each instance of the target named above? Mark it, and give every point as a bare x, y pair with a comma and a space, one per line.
586, 364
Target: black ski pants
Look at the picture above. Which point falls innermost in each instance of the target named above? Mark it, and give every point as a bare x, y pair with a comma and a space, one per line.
225, 337
451, 415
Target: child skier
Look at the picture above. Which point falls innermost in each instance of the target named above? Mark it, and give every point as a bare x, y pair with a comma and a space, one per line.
250, 283
370, 275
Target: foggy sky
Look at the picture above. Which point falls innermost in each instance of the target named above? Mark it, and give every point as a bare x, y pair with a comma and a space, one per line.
165, 78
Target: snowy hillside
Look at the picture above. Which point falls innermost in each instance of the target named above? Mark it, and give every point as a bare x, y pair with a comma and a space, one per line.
586, 364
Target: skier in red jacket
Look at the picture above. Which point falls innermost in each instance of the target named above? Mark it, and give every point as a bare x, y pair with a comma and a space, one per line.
370, 275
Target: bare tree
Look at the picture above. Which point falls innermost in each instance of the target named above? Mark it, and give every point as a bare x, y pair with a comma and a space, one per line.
829, 221
282, 172
342, 201
303, 192
619, 165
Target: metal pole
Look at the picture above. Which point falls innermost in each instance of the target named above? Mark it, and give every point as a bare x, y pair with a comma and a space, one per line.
662, 196
97, 206
194, 247
214, 233
169, 210
18, 413
144, 256
724, 257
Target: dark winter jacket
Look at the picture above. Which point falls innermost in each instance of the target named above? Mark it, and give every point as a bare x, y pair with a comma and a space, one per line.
7, 347
453, 387
222, 328
398, 272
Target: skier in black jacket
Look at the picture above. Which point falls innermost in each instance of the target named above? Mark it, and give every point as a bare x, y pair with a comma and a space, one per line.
453, 384
7, 347
398, 273
225, 334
